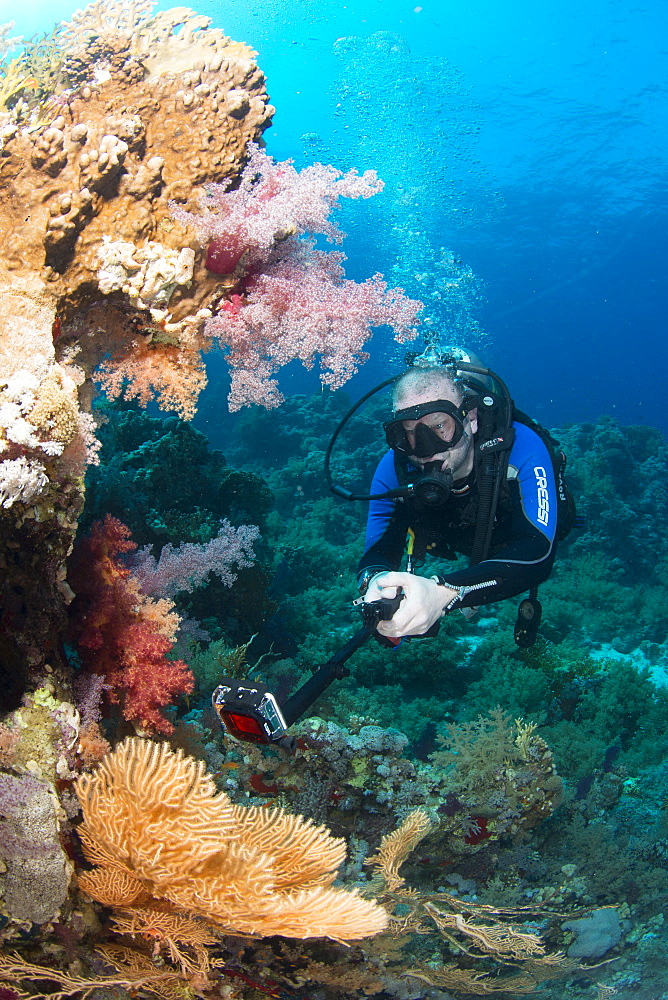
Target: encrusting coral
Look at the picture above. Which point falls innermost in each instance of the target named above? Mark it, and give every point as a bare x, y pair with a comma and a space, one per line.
30, 849
171, 853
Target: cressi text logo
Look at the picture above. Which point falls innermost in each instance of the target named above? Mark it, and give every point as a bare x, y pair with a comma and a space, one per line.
543, 495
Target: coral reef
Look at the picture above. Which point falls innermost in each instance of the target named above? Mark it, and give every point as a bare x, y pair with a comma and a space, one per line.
140, 481
497, 781
140, 223
131, 111
181, 866
594, 685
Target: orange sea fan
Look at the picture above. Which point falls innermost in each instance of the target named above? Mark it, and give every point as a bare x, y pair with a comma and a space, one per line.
154, 816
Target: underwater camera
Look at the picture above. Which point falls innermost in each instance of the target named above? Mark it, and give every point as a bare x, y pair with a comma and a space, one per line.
250, 712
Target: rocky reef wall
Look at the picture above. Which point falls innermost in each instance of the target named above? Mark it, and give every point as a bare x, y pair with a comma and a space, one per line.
121, 115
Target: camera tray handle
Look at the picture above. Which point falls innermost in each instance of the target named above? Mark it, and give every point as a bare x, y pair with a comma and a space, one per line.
373, 612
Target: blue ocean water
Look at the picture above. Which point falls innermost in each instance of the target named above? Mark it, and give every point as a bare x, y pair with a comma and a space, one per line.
523, 149
527, 141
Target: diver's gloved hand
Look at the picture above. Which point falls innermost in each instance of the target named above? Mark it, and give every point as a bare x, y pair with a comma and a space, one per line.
423, 603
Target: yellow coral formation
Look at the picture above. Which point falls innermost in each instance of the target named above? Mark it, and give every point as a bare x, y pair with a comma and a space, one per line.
55, 412
35, 749
500, 772
135, 971
479, 931
396, 846
155, 826
175, 932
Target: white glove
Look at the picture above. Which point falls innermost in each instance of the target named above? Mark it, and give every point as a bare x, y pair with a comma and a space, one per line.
423, 603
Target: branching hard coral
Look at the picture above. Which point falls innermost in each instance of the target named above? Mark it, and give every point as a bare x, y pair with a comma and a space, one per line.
15, 75
6, 42
154, 817
43, 60
14, 81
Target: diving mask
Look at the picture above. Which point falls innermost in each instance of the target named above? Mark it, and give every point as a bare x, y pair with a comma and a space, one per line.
442, 433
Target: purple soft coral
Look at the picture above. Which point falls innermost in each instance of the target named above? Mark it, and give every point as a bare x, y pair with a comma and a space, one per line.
288, 300
272, 201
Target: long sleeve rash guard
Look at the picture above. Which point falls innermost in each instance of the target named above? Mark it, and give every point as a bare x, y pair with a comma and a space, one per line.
523, 539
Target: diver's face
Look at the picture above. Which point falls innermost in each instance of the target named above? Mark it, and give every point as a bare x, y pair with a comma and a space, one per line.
457, 460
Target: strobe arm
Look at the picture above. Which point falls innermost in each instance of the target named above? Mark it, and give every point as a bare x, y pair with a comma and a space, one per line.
318, 682
250, 712
373, 612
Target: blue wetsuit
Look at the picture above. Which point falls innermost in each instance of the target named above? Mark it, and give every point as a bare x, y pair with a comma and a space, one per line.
523, 539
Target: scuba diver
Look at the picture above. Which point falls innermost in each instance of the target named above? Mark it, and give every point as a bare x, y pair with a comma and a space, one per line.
466, 473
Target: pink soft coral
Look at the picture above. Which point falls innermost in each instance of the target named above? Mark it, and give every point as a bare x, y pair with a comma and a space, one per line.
272, 201
288, 300
188, 566
303, 307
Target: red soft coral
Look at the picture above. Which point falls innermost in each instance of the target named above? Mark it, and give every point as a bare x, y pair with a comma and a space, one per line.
121, 633
146, 681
